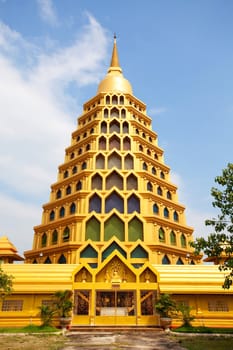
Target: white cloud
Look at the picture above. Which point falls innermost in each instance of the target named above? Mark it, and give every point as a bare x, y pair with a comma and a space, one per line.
48, 12
18, 220
36, 118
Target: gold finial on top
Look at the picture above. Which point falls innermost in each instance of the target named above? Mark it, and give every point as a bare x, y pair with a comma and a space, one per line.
114, 80
115, 59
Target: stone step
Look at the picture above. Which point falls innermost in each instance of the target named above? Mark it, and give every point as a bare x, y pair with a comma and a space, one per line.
105, 328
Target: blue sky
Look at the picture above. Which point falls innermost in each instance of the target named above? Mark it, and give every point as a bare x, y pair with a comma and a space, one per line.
178, 56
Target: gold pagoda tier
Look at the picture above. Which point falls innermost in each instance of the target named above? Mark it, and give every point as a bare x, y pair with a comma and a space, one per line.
113, 191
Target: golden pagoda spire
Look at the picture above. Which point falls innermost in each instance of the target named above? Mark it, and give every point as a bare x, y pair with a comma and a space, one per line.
114, 80
115, 59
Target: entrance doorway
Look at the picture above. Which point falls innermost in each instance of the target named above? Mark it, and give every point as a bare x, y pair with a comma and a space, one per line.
115, 303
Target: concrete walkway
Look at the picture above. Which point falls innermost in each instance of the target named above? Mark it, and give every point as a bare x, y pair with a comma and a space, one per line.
121, 341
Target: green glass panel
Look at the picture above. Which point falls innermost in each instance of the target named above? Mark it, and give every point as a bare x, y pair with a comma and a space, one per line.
139, 252
114, 227
111, 248
135, 230
93, 230
89, 252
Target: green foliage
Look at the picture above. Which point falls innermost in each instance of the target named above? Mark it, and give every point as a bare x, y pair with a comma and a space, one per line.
165, 306
46, 314
63, 303
184, 311
6, 284
32, 328
219, 244
207, 342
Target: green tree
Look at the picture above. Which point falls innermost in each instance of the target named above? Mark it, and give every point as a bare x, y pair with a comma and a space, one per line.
219, 244
6, 284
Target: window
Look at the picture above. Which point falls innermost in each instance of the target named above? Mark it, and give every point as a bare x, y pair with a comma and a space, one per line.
103, 128
159, 191
68, 190
106, 113
62, 212
183, 241
114, 113
144, 166
162, 176
175, 216
149, 187
66, 234
58, 194
129, 163
102, 143
161, 235
48, 302
155, 209
114, 127
72, 208
74, 170
123, 113
84, 165
62, 259
132, 182
165, 260
133, 204
172, 238
100, 160
114, 160
114, 100
79, 186
166, 213
95, 204
44, 240
114, 201
80, 151
125, 128
72, 155
96, 182
114, 179
48, 260
169, 196
54, 237
218, 305
12, 305
108, 100
114, 142
52, 215
179, 262
153, 170
66, 174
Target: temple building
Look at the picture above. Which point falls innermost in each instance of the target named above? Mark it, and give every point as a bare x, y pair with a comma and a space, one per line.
113, 230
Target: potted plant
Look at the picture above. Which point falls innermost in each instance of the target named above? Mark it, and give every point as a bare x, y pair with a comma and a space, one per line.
63, 305
165, 306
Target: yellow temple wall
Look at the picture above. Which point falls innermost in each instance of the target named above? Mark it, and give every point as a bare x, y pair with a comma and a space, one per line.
198, 286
